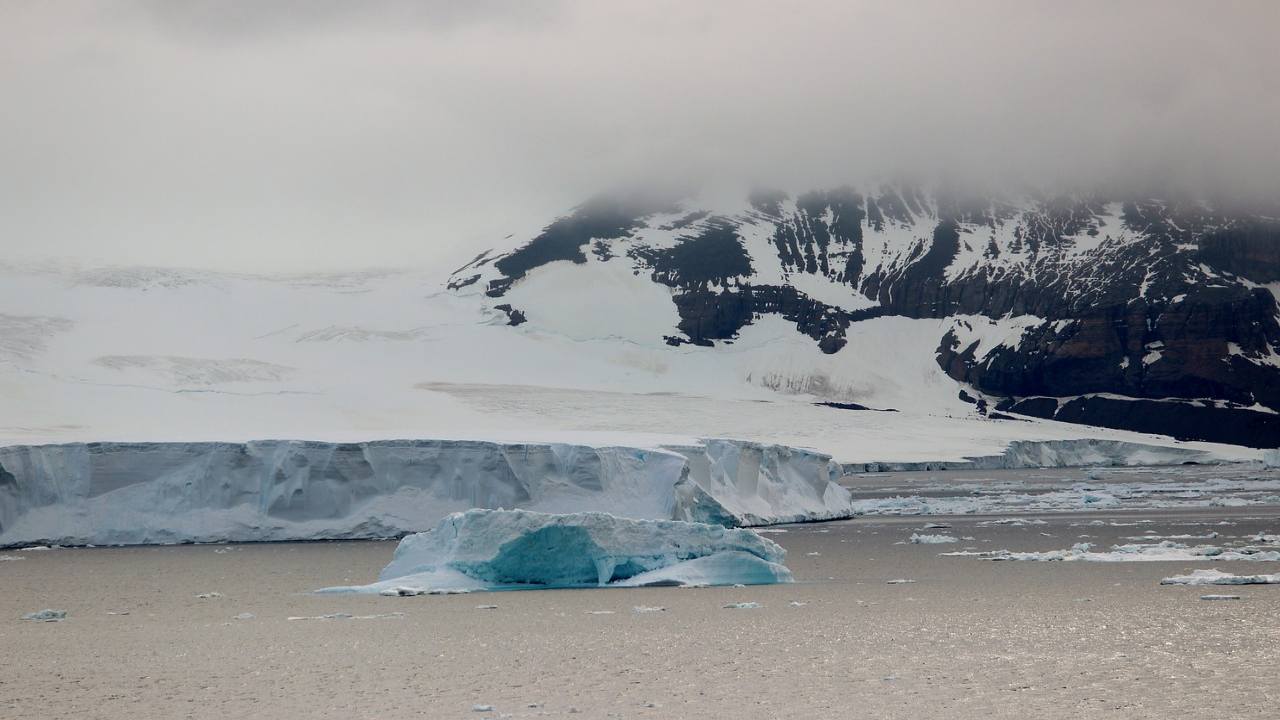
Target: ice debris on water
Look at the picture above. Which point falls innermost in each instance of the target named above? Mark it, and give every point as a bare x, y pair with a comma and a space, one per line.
644, 609
11, 558
411, 592
479, 707
46, 615
599, 612
522, 550
899, 581
797, 603
486, 607
918, 539
743, 606
1217, 577
1219, 597
347, 616
244, 616
208, 595
1164, 551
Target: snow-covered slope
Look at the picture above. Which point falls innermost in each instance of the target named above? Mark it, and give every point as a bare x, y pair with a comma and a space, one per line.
150, 355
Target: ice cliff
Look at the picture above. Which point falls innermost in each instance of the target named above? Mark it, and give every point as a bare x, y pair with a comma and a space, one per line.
156, 493
517, 549
1081, 452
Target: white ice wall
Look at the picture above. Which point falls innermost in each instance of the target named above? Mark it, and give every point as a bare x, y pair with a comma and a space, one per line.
147, 493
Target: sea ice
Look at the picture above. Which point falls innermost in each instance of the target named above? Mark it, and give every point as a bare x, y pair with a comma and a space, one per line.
519, 549
743, 606
1217, 577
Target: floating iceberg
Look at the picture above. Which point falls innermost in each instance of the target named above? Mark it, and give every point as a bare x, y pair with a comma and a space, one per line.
1217, 577
519, 550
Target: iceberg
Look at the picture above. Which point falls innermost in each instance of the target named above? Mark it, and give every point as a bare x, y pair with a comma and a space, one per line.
520, 550
275, 490
1271, 458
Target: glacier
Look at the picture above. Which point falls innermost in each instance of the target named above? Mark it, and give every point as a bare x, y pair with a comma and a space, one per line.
276, 490
519, 549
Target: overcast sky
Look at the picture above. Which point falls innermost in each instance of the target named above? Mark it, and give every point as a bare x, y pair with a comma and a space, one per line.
294, 135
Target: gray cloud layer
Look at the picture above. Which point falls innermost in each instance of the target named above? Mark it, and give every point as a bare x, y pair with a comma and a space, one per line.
295, 134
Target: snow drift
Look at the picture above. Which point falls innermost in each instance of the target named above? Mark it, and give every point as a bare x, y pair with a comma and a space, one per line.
517, 549
157, 493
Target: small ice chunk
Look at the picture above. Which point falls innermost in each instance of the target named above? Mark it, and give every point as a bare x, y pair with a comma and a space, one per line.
486, 607
643, 609
46, 615
797, 603
814, 554
11, 558
743, 606
479, 707
1219, 597
209, 595
244, 616
919, 539
599, 612
899, 581
937, 526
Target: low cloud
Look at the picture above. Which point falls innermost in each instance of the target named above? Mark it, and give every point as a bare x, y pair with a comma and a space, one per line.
298, 135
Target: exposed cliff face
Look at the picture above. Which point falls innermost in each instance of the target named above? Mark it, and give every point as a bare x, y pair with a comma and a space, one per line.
1133, 299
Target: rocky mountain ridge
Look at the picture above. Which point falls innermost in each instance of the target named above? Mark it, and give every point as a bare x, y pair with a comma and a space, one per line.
1136, 313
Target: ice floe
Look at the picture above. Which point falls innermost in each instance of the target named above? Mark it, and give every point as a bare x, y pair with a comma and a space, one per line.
1217, 577
46, 615
518, 549
918, 539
